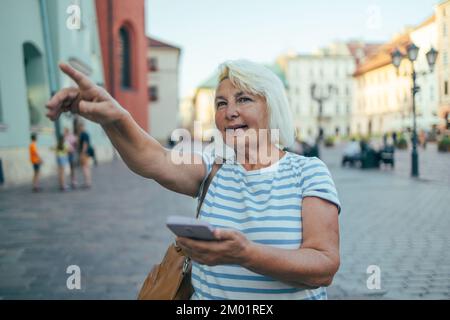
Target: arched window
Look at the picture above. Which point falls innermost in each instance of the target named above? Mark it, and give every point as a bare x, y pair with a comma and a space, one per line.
125, 57
37, 87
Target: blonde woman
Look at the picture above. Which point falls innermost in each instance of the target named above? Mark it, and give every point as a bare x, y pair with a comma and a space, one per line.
276, 218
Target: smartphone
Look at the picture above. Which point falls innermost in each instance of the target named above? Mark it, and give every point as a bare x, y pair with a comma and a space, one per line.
190, 228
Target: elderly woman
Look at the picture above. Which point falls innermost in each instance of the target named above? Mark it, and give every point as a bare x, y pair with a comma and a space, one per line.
277, 218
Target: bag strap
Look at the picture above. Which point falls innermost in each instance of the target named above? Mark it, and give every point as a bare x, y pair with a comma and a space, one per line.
215, 168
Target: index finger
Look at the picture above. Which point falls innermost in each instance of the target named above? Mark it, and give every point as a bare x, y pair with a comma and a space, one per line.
82, 81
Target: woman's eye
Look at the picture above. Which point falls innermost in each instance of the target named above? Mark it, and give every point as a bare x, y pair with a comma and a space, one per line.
220, 104
243, 99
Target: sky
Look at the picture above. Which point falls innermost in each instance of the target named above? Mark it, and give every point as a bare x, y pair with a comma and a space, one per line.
212, 31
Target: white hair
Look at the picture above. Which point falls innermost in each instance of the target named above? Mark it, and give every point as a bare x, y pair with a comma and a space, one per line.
256, 79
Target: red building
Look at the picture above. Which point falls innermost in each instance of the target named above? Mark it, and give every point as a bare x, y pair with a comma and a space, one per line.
123, 42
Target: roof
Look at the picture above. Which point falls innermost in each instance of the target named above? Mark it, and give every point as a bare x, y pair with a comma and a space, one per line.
154, 43
428, 21
382, 56
360, 50
443, 3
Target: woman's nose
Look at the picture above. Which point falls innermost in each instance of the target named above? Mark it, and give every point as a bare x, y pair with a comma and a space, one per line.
232, 111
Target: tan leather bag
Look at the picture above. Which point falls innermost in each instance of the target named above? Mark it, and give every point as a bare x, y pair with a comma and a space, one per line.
171, 279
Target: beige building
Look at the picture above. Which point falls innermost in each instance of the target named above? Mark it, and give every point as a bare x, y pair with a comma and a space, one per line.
163, 76
383, 100
187, 112
204, 110
427, 99
324, 69
443, 62
330, 67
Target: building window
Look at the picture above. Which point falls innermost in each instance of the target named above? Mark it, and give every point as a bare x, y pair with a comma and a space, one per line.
125, 57
153, 93
445, 58
444, 29
337, 109
152, 64
446, 88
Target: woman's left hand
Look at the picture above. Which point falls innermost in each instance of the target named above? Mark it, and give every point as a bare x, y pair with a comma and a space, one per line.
231, 247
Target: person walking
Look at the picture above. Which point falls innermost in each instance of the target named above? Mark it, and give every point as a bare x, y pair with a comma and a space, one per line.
84, 155
394, 138
71, 142
36, 162
62, 159
423, 139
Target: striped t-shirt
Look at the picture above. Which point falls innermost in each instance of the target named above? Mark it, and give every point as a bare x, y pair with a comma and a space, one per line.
265, 205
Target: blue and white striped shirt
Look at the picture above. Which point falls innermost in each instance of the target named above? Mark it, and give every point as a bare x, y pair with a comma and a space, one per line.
265, 205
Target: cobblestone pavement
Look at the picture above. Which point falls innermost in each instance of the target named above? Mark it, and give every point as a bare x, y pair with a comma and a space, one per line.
397, 223
433, 165
115, 232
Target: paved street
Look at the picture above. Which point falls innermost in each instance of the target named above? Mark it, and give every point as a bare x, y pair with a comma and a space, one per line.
396, 223
115, 233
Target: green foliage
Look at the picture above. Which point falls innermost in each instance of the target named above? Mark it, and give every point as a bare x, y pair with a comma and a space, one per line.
402, 143
329, 141
444, 144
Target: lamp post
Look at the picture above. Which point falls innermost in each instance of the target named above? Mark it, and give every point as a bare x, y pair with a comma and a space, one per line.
412, 53
320, 95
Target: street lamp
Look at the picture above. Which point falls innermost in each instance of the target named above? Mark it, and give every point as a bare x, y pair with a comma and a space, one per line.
412, 54
320, 95
431, 58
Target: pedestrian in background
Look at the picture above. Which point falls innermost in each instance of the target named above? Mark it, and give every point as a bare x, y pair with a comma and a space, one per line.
36, 162
62, 155
352, 152
394, 138
71, 143
423, 139
84, 156
385, 138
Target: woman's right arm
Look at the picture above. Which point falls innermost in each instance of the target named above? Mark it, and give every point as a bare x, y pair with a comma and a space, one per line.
145, 156
142, 153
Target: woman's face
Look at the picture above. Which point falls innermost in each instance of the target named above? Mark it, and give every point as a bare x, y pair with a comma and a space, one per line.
240, 114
